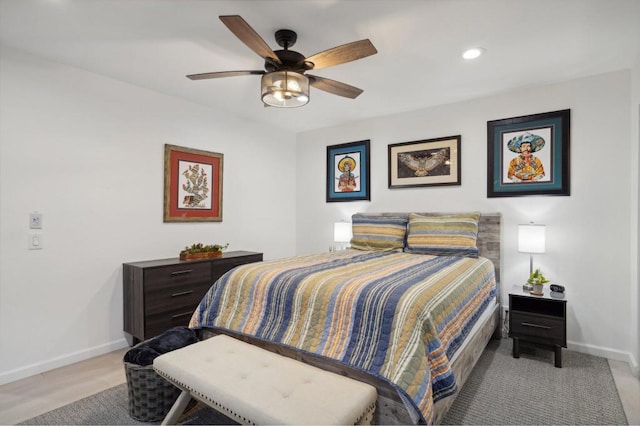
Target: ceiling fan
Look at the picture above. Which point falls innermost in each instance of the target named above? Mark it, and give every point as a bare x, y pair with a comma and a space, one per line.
284, 82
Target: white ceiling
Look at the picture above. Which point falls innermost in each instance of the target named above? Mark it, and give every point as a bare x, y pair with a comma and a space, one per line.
155, 43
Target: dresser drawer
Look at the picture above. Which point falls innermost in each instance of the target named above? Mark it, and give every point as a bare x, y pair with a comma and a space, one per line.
221, 268
161, 321
175, 287
183, 273
532, 326
175, 297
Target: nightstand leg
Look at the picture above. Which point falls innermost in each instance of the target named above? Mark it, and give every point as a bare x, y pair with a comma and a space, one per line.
516, 347
558, 356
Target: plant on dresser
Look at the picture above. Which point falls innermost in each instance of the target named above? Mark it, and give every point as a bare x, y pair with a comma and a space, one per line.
201, 251
160, 294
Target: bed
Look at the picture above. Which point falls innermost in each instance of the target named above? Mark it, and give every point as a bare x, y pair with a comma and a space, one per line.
408, 309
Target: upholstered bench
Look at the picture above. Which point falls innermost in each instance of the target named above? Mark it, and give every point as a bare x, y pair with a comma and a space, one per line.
255, 386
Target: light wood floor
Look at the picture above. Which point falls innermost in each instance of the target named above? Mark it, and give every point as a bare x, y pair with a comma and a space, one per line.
35, 395
27, 398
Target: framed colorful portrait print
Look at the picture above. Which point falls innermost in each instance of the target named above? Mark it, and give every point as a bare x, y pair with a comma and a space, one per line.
529, 155
348, 172
192, 185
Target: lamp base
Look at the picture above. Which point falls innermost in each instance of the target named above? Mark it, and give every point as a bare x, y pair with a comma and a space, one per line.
527, 287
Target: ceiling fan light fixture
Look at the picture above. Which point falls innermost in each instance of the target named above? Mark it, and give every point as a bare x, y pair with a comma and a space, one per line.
285, 89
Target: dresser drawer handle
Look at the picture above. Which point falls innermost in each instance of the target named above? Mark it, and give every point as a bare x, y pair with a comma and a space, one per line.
184, 314
182, 293
528, 324
186, 271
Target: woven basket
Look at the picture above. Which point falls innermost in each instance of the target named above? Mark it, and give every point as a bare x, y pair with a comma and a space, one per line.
150, 396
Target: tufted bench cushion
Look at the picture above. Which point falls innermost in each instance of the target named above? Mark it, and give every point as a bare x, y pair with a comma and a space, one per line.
256, 386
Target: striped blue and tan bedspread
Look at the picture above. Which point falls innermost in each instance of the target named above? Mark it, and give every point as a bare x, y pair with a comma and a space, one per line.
398, 316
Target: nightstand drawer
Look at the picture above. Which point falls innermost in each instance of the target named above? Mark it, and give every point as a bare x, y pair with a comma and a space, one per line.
524, 324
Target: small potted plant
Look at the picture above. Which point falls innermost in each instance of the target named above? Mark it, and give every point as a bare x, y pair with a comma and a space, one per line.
202, 251
537, 280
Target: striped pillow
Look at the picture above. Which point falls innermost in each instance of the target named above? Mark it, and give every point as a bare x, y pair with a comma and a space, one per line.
375, 232
443, 235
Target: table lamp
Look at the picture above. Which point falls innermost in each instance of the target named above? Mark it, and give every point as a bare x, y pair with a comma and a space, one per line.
342, 233
531, 239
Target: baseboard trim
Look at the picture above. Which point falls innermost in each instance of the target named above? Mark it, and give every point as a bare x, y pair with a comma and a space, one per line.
608, 353
41, 367
635, 369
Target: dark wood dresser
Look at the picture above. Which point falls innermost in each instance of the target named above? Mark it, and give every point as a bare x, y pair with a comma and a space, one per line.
160, 294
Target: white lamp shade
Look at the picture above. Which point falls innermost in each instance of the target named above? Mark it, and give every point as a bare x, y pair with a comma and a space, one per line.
531, 238
342, 232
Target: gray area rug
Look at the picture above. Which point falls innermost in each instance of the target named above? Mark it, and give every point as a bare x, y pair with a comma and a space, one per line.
500, 390
111, 407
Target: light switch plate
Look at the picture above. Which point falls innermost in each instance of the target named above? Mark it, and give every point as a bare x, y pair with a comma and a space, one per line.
35, 241
35, 220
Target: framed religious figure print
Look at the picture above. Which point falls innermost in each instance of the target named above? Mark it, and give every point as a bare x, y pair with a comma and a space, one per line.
348, 172
192, 185
529, 155
430, 162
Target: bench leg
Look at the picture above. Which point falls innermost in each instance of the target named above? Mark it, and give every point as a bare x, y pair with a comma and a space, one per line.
177, 409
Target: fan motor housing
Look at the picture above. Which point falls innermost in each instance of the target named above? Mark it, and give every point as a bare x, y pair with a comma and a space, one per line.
291, 61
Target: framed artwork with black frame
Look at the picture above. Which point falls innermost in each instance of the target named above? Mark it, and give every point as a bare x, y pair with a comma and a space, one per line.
192, 185
348, 172
529, 155
430, 162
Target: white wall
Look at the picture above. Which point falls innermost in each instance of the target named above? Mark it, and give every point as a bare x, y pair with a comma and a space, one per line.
588, 238
87, 152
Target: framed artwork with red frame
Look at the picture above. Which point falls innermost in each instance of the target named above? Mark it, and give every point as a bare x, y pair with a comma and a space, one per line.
192, 185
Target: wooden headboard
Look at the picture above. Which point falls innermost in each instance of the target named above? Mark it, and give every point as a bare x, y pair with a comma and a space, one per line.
489, 235
489, 238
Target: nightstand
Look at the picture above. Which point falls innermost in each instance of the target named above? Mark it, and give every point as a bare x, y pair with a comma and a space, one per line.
541, 320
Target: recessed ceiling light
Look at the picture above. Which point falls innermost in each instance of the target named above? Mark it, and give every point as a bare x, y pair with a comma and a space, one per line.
473, 53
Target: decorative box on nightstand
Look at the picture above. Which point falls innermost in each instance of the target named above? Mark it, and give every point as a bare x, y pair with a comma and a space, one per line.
541, 320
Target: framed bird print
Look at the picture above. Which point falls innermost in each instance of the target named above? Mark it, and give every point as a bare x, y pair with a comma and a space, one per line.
430, 162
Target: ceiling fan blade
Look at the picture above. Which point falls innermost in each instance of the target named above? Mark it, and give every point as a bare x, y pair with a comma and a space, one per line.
341, 54
334, 87
249, 36
221, 74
